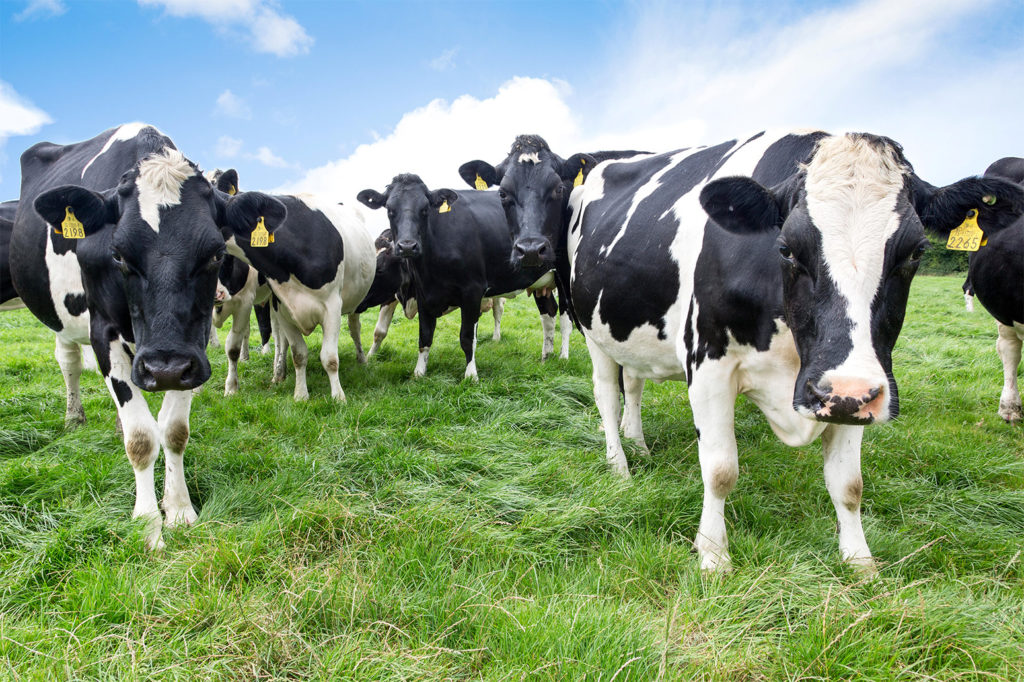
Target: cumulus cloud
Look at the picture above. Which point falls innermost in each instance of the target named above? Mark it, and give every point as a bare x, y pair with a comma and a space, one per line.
227, 147
18, 116
445, 60
232, 106
269, 158
39, 9
263, 27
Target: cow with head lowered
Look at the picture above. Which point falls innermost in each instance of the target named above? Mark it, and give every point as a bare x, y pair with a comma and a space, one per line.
456, 249
117, 242
792, 293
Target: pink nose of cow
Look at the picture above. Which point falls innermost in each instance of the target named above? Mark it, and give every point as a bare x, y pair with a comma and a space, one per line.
849, 400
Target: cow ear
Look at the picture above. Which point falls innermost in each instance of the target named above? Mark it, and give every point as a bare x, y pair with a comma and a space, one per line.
371, 198
576, 168
999, 204
244, 213
441, 196
479, 174
741, 205
75, 212
228, 182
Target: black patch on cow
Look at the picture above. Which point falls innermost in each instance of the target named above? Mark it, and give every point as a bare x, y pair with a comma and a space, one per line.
8, 209
75, 303
122, 390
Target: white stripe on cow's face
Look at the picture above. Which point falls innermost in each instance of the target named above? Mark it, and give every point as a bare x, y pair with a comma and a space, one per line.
159, 183
126, 132
852, 190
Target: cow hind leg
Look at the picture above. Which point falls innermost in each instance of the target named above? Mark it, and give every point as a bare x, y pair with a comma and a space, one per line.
300, 355
1009, 347
355, 330
214, 340
69, 358
266, 328
174, 432
329, 347
380, 332
548, 310
467, 337
606, 395
427, 324
280, 349
497, 311
632, 427
841, 448
234, 346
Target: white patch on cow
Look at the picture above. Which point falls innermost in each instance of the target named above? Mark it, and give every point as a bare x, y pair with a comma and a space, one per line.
173, 418
471, 367
159, 183
546, 281
65, 278
547, 323
421, 362
122, 134
852, 189
529, 157
1008, 345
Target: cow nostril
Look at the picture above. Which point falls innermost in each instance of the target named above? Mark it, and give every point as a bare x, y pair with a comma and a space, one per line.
822, 394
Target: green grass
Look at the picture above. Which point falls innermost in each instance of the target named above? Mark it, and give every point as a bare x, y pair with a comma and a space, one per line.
437, 529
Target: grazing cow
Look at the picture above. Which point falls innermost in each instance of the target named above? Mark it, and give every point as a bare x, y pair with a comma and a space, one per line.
8, 297
793, 293
319, 266
456, 246
117, 243
996, 277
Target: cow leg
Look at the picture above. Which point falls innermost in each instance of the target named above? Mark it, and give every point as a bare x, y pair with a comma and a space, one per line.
565, 326
173, 423
329, 347
427, 324
1009, 347
969, 302
548, 310
631, 425
355, 330
234, 345
713, 401
141, 435
841, 447
498, 310
380, 332
69, 357
467, 336
606, 395
214, 341
265, 325
280, 349
300, 354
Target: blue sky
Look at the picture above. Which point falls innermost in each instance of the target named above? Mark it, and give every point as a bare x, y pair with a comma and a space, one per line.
336, 96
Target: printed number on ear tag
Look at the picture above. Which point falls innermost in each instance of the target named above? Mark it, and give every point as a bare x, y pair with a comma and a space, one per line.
260, 237
480, 183
444, 208
967, 236
71, 227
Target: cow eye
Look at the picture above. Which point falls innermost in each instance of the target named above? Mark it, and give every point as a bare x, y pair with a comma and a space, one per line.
918, 252
503, 195
786, 252
216, 261
559, 190
119, 260
391, 213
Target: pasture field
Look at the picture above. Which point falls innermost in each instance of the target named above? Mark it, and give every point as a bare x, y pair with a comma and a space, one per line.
437, 529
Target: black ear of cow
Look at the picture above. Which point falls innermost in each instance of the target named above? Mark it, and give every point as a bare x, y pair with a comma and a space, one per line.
471, 170
999, 203
439, 196
371, 198
91, 209
574, 164
741, 205
228, 182
243, 211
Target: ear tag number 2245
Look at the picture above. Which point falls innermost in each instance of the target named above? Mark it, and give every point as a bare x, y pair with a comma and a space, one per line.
968, 236
71, 227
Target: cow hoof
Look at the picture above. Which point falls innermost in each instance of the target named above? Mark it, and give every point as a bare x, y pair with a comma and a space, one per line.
864, 566
265, 349
182, 516
544, 357
154, 522
1011, 413
563, 356
419, 374
713, 562
620, 469
340, 397
472, 377
230, 390
72, 420
361, 359
641, 445
275, 379
496, 337
301, 397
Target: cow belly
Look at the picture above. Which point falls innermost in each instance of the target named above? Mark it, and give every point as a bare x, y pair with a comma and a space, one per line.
644, 353
12, 304
303, 307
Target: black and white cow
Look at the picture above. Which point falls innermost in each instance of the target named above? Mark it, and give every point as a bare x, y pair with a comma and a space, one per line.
996, 277
117, 243
319, 266
456, 248
793, 293
8, 297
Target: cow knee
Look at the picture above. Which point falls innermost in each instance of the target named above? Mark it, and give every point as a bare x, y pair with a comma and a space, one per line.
141, 448
331, 364
852, 494
176, 436
233, 354
723, 479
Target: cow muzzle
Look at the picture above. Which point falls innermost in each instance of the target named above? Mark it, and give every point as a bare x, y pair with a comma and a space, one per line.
407, 248
533, 252
847, 400
169, 371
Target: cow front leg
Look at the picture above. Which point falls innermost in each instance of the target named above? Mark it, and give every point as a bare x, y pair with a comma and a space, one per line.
564, 325
497, 311
548, 310
467, 337
300, 354
841, 448
632, 427
173, 423
280, 348
265, 326
234, 345
329, 347
69, 358
380, 332
606, 395
427, 324
1008, 346
214, 341
355, 330
713, 401
141, 433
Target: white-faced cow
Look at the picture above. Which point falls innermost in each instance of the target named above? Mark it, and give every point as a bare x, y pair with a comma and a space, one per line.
792, 294
117, 243
456, 247
319, 265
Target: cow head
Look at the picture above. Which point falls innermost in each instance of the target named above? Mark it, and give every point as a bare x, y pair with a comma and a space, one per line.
850, 238
409, 205
534, 186
167, 242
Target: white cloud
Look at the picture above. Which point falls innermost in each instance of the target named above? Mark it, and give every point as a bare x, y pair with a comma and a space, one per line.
18, 116
232, 106
227, 147
268, 158
445, 60
265, 28
37, 9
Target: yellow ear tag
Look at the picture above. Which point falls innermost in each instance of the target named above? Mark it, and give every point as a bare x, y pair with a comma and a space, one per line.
71, 227
444, 208
232, 190
480, 183
578, 180
259, 237
968, 235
